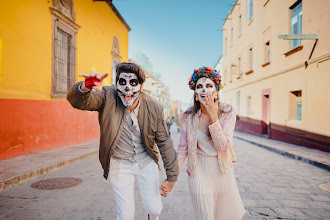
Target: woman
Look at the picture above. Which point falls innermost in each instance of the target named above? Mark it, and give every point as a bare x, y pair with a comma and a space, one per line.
206, 138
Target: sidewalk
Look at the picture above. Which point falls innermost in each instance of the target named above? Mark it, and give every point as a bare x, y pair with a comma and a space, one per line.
18, 170
15, 171
318, 158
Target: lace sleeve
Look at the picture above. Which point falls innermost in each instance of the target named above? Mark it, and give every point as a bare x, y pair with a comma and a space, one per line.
183, 145
222, 136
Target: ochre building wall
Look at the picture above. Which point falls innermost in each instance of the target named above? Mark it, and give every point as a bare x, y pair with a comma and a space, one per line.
31, 119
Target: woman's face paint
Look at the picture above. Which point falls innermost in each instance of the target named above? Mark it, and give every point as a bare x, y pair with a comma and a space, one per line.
203, 86
128, 88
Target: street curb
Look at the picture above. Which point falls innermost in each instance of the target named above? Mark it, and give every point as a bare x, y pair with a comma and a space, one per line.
29, 175
287, 154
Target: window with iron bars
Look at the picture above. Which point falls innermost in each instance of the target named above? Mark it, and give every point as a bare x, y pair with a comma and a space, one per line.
64, 52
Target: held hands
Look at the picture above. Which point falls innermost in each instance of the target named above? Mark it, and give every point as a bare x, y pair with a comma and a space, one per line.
211, 107
93, 81
166, 187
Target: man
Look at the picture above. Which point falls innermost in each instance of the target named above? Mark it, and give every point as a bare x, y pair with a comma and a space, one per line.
131, 124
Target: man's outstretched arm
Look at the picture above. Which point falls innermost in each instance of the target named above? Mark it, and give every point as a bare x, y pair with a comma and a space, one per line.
84, 98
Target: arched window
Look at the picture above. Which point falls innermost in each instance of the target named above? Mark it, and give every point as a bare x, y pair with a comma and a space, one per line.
64, 29
115, 58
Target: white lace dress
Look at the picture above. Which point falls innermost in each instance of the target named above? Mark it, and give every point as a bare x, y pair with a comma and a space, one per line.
214, 195
212, 183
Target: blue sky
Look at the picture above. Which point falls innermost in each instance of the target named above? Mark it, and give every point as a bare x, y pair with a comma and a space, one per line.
177, 36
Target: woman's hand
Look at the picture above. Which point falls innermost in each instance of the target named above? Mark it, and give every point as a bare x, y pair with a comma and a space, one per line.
211, 107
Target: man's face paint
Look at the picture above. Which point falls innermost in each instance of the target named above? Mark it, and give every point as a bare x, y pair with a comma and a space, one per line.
128, 88
203, 86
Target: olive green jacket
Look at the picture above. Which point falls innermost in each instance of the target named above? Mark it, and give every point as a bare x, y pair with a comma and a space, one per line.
111, 115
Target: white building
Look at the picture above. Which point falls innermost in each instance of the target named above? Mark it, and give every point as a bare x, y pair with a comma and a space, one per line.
157, 89
218, 67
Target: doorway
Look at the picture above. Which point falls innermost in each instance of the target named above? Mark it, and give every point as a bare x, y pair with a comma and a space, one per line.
266, 113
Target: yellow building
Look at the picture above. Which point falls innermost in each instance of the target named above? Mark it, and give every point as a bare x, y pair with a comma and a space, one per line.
44, 45
279, 87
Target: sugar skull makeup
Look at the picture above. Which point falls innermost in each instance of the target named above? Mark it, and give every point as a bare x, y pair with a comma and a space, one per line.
203, 86
128, 88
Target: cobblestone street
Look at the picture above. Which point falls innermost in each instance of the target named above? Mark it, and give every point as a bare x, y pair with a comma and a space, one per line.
272, 187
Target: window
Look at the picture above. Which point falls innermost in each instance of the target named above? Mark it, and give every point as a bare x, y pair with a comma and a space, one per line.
115, 58
296, 22
64, 29
63, 59
225, 76
239, 66
251, 59
0, 57
240, 24
295, 105
238, 94
267, 52
249, 9
232, 35
249, 111
113, 73
225, 44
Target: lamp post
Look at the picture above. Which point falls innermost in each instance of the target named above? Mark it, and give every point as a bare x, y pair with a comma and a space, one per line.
233, 68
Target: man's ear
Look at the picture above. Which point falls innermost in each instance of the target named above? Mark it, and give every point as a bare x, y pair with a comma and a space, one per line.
142, 87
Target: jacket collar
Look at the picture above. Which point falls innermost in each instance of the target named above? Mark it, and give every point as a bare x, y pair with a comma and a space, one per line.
141, 111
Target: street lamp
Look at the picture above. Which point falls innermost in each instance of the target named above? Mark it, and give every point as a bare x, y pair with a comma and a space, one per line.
233, 68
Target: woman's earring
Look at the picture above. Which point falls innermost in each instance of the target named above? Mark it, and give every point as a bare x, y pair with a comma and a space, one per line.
196, 97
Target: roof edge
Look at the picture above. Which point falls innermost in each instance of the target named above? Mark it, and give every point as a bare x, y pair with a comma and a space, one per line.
230, 12
218, 61
109, 2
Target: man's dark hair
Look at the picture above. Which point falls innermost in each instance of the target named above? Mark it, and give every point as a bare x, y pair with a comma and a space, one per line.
130, 68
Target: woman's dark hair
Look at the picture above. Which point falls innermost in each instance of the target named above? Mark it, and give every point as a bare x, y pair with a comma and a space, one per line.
196, 106
130, 68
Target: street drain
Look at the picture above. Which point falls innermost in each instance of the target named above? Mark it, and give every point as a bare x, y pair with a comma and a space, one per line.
56, 183
325, 187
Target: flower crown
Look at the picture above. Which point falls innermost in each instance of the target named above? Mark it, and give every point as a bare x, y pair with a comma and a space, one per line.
205, 72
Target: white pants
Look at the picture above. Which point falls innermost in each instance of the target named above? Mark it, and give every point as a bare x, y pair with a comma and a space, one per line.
122, 177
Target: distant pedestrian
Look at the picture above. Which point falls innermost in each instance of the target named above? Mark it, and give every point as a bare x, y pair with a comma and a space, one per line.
177, 123
169, 122
131, 124
206, 139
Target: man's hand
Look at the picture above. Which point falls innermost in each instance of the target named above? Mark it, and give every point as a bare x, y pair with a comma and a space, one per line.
166, 187
93, 81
